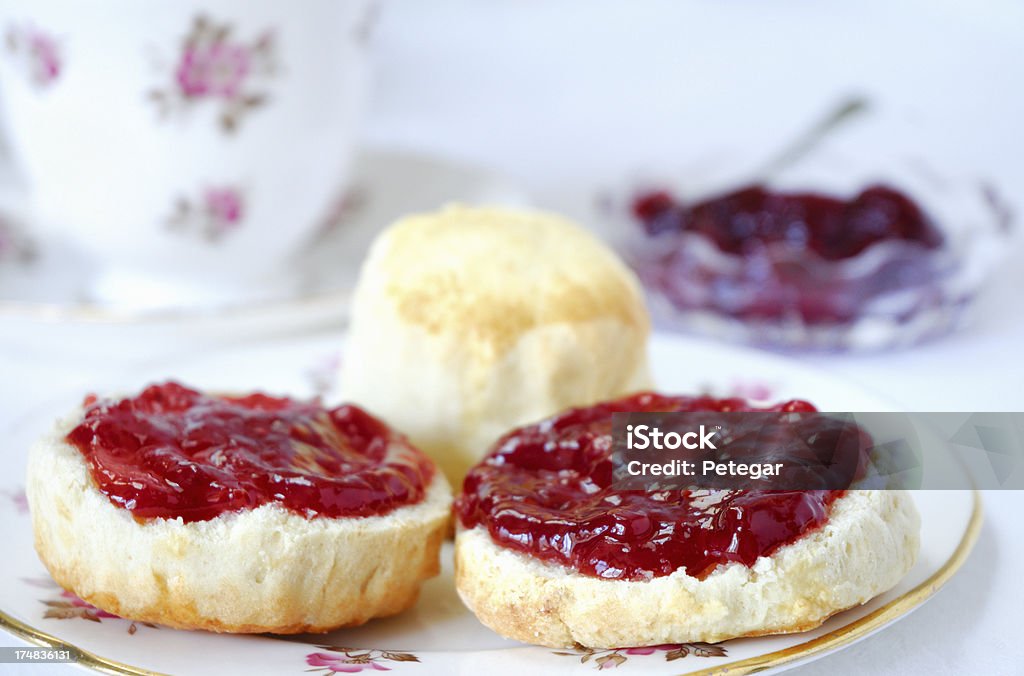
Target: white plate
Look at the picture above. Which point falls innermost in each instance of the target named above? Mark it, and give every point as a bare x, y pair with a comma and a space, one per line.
439, 635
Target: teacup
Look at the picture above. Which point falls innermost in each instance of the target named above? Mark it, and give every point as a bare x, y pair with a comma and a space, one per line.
189, 148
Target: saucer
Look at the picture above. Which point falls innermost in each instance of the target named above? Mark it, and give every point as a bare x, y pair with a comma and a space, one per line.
439, 635
48, 280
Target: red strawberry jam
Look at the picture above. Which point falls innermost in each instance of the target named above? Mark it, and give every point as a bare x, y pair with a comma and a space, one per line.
831, 227
546, 490
175, 452
791, 256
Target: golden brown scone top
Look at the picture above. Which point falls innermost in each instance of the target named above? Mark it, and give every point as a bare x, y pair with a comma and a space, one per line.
498, 273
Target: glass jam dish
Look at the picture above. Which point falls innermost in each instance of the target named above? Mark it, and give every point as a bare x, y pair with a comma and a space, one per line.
833, 254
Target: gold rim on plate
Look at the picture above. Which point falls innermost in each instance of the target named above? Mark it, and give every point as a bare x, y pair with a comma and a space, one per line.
868, 624
833, 640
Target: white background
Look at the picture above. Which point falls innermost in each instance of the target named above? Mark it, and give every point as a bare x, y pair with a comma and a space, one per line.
556, 94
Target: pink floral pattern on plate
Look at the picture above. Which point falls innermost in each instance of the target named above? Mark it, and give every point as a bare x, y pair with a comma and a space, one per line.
351, 661
66, 606
215, 213
752, 389
18, 499
322, 375
610, 659
38, 52
215, 66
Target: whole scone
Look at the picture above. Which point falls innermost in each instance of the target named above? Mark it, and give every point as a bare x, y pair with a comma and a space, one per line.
555, 547
469, 321
265, 569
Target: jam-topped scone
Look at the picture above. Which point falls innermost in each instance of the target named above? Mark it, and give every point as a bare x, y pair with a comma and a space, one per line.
235, 514
550, 551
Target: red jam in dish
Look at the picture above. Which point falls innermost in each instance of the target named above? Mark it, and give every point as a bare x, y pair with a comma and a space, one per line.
831, 227
545, 490
794, 258
175, 452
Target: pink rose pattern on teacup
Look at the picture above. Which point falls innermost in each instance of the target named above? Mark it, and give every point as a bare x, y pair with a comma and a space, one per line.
39, 53
224, 206
217, 70
214, 66
610, 659
214, 214
351, 661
